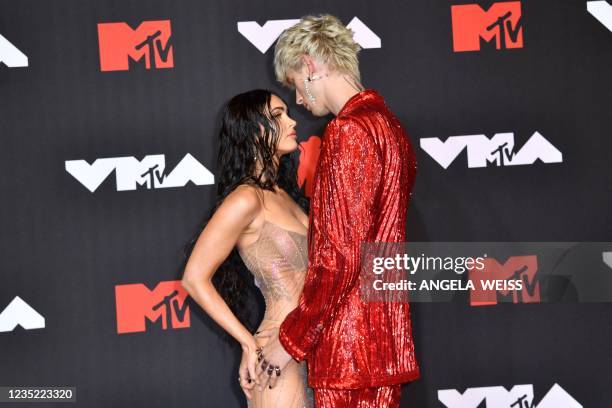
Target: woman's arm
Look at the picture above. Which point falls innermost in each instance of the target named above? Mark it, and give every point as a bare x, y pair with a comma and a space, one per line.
215, 243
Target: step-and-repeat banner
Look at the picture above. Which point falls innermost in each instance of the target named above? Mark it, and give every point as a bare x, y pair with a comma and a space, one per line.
109, 112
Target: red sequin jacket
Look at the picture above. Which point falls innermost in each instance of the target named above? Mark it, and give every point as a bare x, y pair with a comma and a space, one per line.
363, 183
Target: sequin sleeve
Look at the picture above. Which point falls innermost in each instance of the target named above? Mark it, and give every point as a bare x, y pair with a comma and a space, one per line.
342, 214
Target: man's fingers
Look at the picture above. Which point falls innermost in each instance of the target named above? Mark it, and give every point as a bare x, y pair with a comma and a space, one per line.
260, 370
260, 366
267, 332
274, 378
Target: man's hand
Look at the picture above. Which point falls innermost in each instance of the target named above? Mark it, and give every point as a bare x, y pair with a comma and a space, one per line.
273, 359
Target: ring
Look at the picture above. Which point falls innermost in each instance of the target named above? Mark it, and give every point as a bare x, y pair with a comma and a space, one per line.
239, 379
260, 357
264, 365
270, 369
278, 372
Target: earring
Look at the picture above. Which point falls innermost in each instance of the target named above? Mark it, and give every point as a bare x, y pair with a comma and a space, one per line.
308, 91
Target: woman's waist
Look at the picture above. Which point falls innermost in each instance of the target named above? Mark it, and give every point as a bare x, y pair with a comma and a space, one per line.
274, 316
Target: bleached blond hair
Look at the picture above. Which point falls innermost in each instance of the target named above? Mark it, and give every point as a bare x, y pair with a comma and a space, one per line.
323, 38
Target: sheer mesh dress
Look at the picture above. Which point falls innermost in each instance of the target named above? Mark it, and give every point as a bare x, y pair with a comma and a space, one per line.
278, 261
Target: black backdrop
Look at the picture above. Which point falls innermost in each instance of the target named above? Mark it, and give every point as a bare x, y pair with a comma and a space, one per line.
65, 250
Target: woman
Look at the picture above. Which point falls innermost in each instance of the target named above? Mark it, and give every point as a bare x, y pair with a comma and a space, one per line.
257, 216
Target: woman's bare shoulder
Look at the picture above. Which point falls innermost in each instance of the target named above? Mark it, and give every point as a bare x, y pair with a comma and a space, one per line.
245, 201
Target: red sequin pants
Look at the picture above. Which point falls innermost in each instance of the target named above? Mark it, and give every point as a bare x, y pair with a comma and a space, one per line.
377, 397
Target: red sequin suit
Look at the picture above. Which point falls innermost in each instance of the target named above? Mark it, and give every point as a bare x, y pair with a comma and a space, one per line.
363, 182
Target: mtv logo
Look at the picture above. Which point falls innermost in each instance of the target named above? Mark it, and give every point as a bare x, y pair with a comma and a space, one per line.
520, 396
10, 55
602, 11
522, 268
499, 150
151, 41
18, 312
309, 157
501, 22
148, 172
136, 305
262, 37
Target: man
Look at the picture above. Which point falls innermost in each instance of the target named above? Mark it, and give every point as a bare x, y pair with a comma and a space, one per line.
358, 352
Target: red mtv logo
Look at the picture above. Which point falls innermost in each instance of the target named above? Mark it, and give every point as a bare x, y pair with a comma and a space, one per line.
309, 156
136, 304
523, 268
151, 41
502, 22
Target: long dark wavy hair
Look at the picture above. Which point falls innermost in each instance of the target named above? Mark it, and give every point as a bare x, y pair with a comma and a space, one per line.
243, 144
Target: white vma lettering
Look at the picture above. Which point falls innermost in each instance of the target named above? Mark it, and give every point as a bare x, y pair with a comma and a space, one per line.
495, 396
607, 258
363, 36
498, 150
262, 37
557, 397
518, 397
131, 173
602, 11
10, 55
18, 312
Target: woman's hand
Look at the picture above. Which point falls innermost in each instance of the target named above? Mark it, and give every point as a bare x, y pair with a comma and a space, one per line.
246, 372
215, 243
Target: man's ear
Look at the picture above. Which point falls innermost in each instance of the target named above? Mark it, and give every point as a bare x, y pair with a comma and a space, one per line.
310, 64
